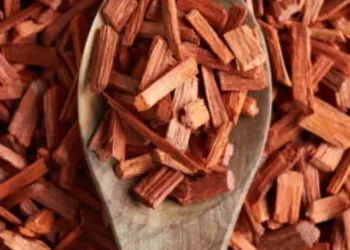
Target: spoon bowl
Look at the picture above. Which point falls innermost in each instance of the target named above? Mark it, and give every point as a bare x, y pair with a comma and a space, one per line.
206, 225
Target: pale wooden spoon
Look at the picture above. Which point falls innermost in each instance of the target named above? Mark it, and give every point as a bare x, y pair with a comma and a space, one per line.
204, 226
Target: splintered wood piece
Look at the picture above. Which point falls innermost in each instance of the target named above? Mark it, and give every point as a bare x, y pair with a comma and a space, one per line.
346, 223
69, 110
236, 17
245, 47
15, 159
70, 151
203, 188
41, 222
195, 114
331, 8
312, 190
171, 24
123, 82
166, 84
298, 236
301, 68
10, 7
134, 167
250, 107
9, 217
218, 145
53, 4
152, 29
279, 69
283, 10
157, 140
328, 123
165, 159
105, 47
289, 184
178, 135
320, 69
54, 30
135, 22
312, 9
240, 241
340, 176
31, 54
343, 97
283, 131
28, 113
326, 157
280, 162
216, 107
118, 138
117, 13
209, 35
53, 102
327, 208
8, 75
184, 94
340, 58
215, 13
203, 57
32, 10
335, 80
157, 54
260, 210
27, 176
16, 242
234, 101
253, 223
50, 196
156, 186
327, 35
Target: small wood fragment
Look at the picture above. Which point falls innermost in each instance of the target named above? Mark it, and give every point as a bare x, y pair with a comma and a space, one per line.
250, 107
326, 157
17, 242
134, 167
312, 10
327, 208
340, 176
215, 13
260, 210
153, 11
171, 24
320, 68
299, 236
247, 51
195, 114
117, 13
15, 159
8, 75
178, 135
236, 17
346, 223
41, 222
289, 184
170, 81
279, 69
283, 10
335, 80
203, 188
27, 113
327, 35
156, 186
184, 94
9, 217
105, 47
123, 82
203, 28
330, 9
301, 68
234, 101
240, 241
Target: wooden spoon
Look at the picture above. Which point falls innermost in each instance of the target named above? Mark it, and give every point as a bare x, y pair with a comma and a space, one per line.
207, 225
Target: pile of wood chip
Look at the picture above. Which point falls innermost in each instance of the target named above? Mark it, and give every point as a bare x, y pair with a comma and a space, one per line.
300, 197
47, 199
179, 80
